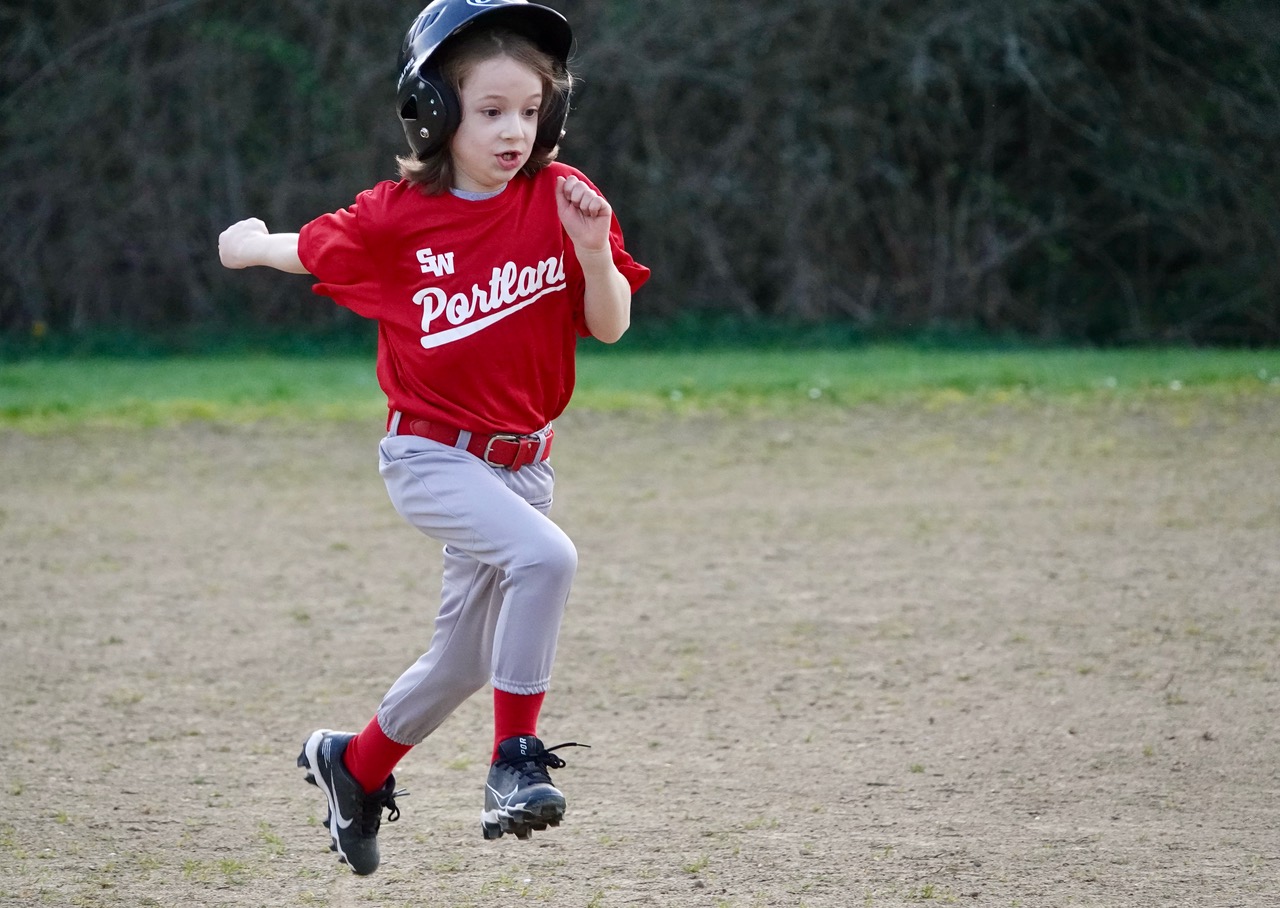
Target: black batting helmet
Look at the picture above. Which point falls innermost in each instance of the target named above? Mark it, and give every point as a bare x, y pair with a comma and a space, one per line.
428, 106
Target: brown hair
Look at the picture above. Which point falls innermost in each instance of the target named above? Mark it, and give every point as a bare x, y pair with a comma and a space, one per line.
434, 173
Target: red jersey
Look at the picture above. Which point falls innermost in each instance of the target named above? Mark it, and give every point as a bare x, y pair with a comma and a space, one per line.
479, 304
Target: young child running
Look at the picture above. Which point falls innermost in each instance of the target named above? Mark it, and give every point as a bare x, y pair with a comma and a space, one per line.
482, 265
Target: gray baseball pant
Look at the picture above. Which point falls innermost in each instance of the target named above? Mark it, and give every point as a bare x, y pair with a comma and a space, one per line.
507, 573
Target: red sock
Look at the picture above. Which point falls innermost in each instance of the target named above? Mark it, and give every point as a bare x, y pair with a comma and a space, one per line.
513, 715
371, 756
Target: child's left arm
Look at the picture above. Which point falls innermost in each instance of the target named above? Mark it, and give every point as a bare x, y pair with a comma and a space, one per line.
587, 217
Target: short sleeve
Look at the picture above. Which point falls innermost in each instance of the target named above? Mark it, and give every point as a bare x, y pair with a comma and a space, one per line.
334, 248
635, 273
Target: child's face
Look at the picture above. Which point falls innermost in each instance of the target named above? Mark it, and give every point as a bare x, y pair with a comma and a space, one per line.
500, 100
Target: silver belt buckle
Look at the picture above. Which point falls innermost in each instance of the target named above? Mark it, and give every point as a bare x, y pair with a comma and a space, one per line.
488, 448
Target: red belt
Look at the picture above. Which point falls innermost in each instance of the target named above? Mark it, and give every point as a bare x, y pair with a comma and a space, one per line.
506, 450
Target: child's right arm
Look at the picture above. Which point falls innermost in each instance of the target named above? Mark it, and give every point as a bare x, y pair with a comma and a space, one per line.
248, 242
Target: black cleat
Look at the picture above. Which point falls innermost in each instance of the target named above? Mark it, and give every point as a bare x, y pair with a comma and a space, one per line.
518, 796
354, 817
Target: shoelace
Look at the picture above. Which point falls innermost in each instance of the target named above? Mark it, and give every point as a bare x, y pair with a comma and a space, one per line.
536, 765
369, 813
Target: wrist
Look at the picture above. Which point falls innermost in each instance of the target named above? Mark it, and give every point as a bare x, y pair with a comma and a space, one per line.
601, 258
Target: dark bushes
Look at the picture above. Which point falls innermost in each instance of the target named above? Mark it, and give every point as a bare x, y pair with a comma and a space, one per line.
1099, 170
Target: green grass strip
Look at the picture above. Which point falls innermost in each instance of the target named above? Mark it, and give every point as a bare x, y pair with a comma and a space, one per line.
50, 395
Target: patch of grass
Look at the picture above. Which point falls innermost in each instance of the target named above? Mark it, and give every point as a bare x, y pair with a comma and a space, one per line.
42, 395
147, 862
9, 837
696, 866
271, 839
929, 892
504, 882
230, 871
800, 379
450, 864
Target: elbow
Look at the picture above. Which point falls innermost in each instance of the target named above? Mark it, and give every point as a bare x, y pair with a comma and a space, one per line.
616, 335
612, 332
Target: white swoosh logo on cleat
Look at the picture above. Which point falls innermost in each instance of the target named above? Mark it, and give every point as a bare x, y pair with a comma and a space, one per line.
326, 744
504, 800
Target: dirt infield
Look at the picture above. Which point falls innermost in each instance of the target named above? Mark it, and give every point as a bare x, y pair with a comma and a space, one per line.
992, 655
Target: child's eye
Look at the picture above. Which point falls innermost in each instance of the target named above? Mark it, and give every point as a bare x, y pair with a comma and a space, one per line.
491, 112
531, 112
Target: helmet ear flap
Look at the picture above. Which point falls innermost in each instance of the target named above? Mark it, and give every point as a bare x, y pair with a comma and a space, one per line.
429, 112
551, 126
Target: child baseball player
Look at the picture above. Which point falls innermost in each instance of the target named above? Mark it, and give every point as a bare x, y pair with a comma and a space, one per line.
482, 266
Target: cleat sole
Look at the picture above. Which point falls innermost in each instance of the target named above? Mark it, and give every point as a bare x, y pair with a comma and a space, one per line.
522, 823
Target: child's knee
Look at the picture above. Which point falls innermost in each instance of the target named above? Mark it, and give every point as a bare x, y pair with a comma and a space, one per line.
555, 555
560, 556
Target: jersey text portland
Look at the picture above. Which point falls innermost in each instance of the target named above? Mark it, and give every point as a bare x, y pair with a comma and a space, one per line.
447, 318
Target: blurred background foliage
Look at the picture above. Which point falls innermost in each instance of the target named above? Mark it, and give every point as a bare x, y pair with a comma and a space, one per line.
1061, 171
